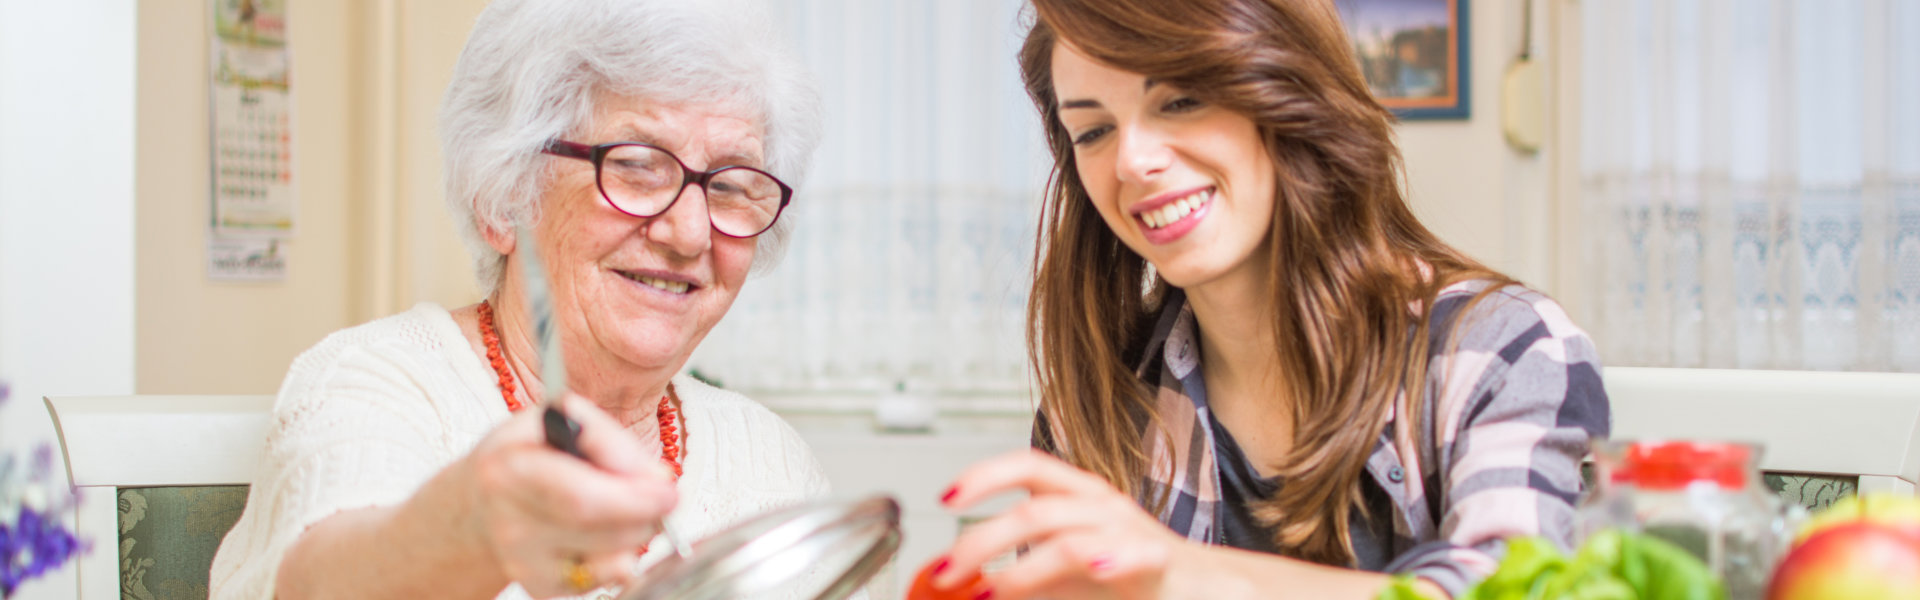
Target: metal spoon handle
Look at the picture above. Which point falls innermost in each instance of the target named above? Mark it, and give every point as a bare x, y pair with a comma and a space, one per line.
563, 434
680, 547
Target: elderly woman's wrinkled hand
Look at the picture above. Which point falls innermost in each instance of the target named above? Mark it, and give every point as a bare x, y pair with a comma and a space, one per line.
557, 524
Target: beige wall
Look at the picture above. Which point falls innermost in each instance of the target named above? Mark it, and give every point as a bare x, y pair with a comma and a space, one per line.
1464, 181
198, 336
433, 264
1575, 287
372, 234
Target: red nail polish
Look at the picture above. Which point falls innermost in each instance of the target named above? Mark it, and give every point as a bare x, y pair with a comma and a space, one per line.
1100, 563
984, 594
940, 566
948, 495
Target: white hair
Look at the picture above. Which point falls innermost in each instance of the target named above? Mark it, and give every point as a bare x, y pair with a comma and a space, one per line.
531, 70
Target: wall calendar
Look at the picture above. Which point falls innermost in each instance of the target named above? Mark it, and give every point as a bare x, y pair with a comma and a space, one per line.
253, 199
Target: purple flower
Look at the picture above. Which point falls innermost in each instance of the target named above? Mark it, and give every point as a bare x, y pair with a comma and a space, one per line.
32, 545
8, 579
33, 539
42, 465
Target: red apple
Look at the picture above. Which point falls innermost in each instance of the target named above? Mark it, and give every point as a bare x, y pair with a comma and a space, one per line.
1857, 561
1860, 549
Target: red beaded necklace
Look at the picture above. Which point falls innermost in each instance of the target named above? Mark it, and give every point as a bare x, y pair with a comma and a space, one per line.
668, 416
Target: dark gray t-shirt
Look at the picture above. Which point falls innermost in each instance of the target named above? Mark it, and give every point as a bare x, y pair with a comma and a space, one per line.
1241, 486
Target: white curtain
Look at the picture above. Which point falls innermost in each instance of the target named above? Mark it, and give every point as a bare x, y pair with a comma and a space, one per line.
914, 232
1751, 174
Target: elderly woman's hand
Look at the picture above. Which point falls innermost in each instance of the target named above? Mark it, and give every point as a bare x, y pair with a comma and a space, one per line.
545, 515
1084, 538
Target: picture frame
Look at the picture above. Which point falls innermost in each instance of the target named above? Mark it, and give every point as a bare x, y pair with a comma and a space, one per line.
1414, 54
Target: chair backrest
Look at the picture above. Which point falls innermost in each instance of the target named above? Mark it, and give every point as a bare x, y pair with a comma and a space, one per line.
1812, 424
160, 481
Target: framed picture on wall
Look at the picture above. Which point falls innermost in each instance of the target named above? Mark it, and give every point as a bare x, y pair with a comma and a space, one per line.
1414, 54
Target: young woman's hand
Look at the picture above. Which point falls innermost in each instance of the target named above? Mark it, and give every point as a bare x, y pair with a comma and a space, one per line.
557, 524
1083, 538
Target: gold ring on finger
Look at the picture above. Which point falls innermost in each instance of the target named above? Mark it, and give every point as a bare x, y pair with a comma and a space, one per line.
577, 575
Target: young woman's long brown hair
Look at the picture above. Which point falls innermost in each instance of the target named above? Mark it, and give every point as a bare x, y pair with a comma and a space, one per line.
1355, 271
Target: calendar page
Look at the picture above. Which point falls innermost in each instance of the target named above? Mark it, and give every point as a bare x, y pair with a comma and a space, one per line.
252, 137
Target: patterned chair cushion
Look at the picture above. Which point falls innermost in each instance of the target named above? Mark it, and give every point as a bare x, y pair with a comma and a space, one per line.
168, 536
1815, 492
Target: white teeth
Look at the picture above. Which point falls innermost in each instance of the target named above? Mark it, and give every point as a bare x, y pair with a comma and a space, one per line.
677, 287
1169, 213
1174, 211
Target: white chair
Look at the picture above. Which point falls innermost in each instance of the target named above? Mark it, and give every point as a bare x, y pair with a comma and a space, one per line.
179, 443
1864, 425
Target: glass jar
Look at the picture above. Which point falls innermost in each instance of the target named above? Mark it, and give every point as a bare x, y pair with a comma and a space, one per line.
1705, 497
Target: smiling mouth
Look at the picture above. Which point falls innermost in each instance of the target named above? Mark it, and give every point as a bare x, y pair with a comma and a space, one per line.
1172, 212
665, 285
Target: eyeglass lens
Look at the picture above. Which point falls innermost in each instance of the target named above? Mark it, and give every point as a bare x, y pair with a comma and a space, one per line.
643, 181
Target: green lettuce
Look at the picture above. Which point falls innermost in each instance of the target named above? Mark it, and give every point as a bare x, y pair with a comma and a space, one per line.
1611, 565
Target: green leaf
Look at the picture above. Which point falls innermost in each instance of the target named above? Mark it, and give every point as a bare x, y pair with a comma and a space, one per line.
1662, 571
1602, 588
1611, 565
1400, 587
1529, 565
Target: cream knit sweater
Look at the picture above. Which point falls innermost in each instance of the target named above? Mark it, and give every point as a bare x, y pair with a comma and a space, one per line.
372, 412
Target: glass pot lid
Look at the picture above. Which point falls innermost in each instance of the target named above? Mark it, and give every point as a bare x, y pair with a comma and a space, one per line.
823, 550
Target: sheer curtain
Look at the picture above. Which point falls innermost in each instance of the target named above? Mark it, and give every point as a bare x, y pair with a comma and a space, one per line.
1751, 169
914, 231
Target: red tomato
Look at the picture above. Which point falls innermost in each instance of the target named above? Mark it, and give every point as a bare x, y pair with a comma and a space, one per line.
923, 587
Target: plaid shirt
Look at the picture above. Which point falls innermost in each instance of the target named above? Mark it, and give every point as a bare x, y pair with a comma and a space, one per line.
1509, 415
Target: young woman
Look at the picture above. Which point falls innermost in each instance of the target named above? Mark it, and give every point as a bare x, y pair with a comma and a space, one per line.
1259, 374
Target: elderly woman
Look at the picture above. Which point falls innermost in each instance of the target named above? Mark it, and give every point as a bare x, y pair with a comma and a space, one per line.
647, 146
